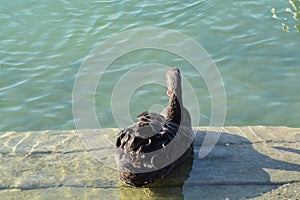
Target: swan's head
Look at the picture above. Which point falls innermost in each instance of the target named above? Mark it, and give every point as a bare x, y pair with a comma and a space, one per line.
173, 78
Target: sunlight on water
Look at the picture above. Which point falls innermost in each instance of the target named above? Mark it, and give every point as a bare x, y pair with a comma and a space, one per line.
255, 46
291, 11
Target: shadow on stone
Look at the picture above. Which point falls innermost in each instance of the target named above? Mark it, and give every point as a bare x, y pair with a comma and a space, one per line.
233, 169
288, 149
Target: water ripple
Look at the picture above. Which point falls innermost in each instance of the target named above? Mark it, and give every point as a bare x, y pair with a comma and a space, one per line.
44, 43
19, 83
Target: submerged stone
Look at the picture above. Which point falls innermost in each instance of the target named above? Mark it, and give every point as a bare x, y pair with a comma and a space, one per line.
246, 162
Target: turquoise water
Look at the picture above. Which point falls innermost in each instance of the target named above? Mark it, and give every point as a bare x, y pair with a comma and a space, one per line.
255, 45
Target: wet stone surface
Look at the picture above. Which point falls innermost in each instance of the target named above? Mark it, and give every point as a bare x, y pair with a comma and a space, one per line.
247, 162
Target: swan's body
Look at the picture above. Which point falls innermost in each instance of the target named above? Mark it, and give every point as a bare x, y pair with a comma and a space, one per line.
153, 146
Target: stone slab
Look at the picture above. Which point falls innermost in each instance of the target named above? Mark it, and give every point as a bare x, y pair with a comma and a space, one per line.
246, 162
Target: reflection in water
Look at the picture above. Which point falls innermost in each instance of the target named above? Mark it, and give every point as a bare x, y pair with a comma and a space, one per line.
170, 187
296, 6
294, 11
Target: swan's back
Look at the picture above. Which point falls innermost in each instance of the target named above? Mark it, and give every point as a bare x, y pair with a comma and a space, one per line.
141, 135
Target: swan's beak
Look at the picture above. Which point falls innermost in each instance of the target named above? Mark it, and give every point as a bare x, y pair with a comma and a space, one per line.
168, 92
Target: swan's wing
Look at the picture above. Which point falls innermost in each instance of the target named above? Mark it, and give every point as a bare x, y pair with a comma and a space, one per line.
143, 149
139, 134
147, 121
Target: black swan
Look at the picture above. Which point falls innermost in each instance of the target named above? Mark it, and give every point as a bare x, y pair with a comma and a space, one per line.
153, 146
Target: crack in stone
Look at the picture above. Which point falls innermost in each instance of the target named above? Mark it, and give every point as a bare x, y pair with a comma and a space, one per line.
254, 133
188, 184
50, 152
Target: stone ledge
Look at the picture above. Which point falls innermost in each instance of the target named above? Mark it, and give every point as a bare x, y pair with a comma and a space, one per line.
246, 162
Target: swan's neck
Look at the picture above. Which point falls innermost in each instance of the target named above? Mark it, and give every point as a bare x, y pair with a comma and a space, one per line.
174, 109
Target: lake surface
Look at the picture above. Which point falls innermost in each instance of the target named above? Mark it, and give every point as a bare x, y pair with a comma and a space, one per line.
254, 44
